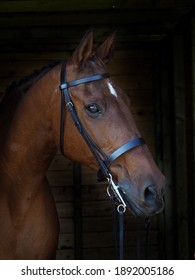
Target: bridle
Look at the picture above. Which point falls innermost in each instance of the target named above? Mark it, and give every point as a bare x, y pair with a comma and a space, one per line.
104, 161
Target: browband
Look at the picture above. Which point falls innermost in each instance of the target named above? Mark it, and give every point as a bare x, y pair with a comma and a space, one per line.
84, 80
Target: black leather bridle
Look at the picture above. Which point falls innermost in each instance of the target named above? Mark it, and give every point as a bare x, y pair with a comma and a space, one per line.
103, 160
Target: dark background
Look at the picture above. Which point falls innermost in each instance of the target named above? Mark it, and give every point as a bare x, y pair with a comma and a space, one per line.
155, 64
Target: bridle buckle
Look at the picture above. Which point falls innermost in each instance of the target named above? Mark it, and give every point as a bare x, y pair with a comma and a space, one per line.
115, 188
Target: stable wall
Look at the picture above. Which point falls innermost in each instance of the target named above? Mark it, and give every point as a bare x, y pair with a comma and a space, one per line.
176, 145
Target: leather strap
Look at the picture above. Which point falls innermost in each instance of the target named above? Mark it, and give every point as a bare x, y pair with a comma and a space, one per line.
84, 80
117, 153
123, 149
62, 117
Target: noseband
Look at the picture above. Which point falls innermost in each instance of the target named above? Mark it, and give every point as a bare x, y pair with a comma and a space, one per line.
103, 160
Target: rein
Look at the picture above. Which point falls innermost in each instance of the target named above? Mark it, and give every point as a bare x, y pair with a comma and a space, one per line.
103, 160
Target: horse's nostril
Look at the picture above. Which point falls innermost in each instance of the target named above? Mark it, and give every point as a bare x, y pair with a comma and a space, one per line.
150, 194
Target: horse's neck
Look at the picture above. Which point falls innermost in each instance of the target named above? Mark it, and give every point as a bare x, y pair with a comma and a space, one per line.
29, 143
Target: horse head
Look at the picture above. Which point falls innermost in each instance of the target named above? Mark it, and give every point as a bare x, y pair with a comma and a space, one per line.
104, 111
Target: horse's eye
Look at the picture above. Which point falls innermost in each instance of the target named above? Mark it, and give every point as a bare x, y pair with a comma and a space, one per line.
93, 109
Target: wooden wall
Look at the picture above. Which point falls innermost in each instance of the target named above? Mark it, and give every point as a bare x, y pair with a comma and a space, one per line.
176, 104
193, 128
79, 198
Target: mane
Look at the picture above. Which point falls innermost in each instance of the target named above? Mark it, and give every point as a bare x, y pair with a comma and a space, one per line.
35, 75
17, 89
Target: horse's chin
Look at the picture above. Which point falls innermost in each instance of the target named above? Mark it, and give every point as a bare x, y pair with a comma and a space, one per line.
141, 210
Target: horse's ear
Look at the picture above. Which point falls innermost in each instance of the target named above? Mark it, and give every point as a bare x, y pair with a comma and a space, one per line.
84, 50
106, 49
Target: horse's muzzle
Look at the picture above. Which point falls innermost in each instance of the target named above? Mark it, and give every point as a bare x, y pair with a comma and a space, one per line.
149, 204
142, 209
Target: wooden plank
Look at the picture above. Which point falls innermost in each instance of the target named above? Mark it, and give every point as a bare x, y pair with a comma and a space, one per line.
66, 241
164, 135
65, 209
63, 193
50, 6
108, 253
101, 224
133, 53
132, 65
138, 82
60, 178
193, 127
60, 163
74, 5
97, 224
172, 3
180, 149
65, 254
66, 225
190, 147
105, 239
97, 208
139, 54
31, 57
78, 226
89, 177
73, 34
137, 96
138, 17
95, 191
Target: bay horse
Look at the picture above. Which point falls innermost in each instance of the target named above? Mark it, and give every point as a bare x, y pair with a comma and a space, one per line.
35, 122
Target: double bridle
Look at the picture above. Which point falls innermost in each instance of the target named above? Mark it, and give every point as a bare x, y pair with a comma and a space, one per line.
103, 160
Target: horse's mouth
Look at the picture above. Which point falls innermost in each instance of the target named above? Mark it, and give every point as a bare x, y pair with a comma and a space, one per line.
140, 209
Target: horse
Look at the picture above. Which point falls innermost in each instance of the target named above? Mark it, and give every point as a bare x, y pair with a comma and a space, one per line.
37, 120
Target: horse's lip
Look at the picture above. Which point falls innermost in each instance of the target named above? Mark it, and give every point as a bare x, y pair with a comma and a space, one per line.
140, 209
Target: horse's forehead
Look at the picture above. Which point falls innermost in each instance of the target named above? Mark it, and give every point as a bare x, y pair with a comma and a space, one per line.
100, 88
112, 89
104, 90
